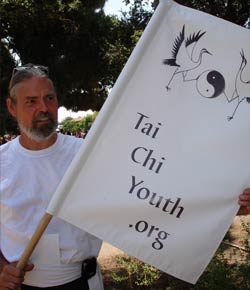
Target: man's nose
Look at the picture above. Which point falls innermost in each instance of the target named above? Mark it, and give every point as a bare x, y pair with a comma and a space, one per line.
43, 107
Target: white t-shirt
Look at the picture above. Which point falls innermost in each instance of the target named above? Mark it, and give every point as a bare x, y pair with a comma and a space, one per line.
28, 179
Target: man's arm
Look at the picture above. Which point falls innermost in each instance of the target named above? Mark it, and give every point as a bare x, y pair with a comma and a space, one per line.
244, 202
10, 276
3, 261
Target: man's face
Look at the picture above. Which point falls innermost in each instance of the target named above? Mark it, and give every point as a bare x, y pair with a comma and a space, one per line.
35, 108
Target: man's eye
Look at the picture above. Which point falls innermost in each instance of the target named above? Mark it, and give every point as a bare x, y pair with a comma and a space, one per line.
30, 102
50, 97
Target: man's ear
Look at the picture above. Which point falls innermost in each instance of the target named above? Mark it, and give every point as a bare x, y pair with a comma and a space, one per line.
11, 107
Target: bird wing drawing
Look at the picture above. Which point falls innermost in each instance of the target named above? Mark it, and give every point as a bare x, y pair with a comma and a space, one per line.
192, 41
183, 54
177, 44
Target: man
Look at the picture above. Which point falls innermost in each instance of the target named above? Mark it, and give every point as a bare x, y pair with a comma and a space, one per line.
32, 165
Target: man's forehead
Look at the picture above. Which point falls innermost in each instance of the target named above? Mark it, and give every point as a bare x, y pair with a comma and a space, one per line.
35, 86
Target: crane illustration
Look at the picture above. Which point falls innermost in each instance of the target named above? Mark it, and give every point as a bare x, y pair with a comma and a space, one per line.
211, 83
241, 85
183, 54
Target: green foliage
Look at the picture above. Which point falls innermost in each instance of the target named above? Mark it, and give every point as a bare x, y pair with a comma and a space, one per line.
147, 276
88, 121
236, 11
7, 123
229, 270
135, 272
70, 125
219, 275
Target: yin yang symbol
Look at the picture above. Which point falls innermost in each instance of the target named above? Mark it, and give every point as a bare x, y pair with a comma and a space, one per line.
210, 84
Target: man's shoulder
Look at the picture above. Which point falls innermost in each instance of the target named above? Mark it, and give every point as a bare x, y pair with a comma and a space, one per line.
70, 142
6, 146
71, 139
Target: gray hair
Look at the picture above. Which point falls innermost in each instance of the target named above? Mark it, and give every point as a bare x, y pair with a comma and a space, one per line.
28, 72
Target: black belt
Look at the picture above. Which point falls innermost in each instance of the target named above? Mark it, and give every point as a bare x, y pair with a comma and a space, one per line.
89, 268
78, 284
88, 271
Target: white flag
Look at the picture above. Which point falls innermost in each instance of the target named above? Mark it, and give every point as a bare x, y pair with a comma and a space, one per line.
163, 165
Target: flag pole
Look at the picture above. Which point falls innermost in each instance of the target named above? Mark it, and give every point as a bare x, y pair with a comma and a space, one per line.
34, 240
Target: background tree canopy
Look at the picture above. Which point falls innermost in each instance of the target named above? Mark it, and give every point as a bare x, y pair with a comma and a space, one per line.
84, 48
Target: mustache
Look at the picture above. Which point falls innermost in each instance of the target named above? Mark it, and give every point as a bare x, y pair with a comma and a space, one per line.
43, 115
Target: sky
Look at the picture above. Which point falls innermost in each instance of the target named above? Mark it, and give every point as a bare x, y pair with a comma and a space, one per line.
114, 6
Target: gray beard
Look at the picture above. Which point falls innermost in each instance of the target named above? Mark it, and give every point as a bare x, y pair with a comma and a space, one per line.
41, 133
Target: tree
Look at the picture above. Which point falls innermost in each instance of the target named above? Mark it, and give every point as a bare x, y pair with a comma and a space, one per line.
125, 34
7, 123
236, 11
88, 121
232, 10
68, 36
68, 125
71, 125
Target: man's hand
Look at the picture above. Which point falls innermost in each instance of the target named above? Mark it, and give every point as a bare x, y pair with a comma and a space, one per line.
12, 277
244, 202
